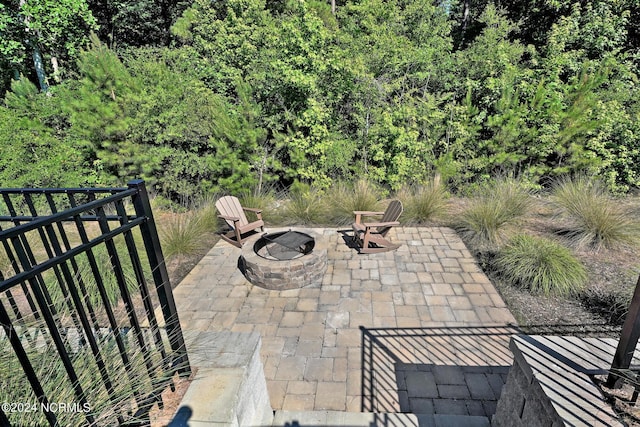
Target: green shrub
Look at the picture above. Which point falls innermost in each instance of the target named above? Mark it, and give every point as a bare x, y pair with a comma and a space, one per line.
591, 217
161, 203
345, 198
423, 203
541, 266
492, 211
32, 152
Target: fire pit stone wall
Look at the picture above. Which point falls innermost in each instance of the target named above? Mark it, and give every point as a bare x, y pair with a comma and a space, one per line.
304, 271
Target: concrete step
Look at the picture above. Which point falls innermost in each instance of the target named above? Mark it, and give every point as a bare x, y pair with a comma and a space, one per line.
363, 419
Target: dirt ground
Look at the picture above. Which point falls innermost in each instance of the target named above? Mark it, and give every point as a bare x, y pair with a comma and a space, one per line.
599, 310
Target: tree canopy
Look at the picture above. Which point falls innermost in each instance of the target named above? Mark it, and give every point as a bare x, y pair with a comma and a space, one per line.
227, 95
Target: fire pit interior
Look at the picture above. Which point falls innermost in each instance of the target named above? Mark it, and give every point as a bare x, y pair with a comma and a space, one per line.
284, 259
284, 245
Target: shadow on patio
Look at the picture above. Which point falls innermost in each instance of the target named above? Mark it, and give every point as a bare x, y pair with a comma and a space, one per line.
439, 370
442, 370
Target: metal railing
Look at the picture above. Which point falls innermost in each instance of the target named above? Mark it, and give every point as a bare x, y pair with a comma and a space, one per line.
81, 278
621, 370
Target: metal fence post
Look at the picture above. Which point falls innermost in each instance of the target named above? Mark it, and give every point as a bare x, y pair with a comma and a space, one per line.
160, 275
628, 339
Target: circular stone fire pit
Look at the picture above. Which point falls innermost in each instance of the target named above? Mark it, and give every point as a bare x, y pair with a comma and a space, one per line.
284, 259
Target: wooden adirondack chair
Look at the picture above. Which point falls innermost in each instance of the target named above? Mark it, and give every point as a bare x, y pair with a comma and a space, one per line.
233, 213
371, 236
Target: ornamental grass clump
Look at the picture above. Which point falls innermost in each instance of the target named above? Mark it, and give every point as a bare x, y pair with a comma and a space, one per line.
181, 234
304, 206
540, 265
345, 198
591, 217
424, 202
129, 383
114, 387
264, 200
493, 211
207, 213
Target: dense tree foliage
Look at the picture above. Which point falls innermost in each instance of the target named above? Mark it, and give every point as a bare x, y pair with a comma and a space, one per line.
137, 23
49, 31
241, 93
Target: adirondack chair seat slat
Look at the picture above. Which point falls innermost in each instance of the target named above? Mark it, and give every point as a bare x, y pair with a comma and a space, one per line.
251, 226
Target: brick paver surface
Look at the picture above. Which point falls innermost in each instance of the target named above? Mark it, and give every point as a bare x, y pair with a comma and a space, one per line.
417, 329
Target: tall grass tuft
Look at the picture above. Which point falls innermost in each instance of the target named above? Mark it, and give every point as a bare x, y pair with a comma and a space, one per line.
541, 266
591, 216
423, 203
108, 277
205, 209
345, 198
264, 200
304, 206
493, 211
128, 382
181, 234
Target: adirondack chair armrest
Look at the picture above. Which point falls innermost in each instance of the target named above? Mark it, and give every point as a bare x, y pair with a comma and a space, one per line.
258, 212
253, 210
360, 214
381, 224
229, 218
367, 213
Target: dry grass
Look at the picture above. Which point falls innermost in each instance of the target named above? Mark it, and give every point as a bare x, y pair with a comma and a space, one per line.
493, 212
345, 198
591, 217
423, 203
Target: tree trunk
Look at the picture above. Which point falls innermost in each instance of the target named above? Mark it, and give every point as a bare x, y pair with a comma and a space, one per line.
39, 66
333, 7
56, 69
37, 56
465, 18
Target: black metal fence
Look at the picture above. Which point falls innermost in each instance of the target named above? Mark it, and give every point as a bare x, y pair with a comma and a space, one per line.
621, 370
90, 333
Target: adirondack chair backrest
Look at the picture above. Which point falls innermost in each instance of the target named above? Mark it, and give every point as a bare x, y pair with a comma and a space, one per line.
230, 206
391, 214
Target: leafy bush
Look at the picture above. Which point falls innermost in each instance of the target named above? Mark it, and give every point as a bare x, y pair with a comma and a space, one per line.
361, 195
590, 215
424, 202
541, 266
492, 211
32, 153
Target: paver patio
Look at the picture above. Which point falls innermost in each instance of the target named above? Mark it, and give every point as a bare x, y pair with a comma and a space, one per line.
420, 329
